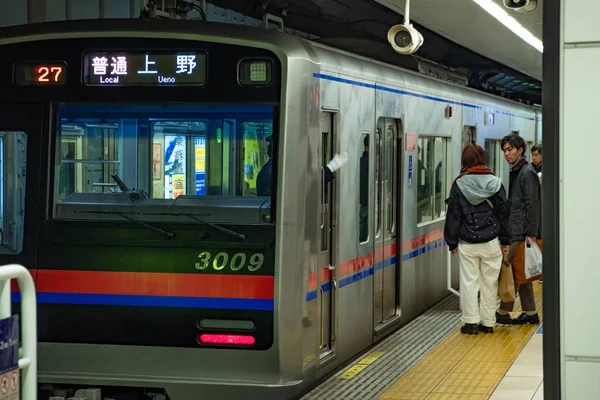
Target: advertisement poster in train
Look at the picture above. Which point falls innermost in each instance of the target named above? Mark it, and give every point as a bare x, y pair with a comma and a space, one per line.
175, 162
156, 161
200, 164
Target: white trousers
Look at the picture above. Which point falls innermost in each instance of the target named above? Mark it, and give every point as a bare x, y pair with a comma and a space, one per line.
479, 266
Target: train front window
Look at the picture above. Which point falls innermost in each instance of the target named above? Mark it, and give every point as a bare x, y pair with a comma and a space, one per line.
164, 163
13, 174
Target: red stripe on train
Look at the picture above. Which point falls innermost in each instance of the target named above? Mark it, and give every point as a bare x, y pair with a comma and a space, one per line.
350, 267
155, 284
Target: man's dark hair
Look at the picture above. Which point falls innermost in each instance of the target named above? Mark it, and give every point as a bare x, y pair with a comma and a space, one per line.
366, 141
515, 141
537, 147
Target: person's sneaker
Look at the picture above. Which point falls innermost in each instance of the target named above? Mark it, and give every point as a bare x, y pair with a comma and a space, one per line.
485, 329
469, 329
526, 319
503, 319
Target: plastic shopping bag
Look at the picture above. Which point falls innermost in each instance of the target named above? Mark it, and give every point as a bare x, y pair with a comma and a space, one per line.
533, 259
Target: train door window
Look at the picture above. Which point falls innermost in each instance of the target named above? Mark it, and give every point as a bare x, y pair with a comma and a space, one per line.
363, 194
494, 161
432, 178
390, 176
256, 155
441, 181
179, 158
13, 152
326, 127
469, 136
378, 179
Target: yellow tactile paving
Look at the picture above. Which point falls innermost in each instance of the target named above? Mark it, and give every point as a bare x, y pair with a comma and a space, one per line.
466, 367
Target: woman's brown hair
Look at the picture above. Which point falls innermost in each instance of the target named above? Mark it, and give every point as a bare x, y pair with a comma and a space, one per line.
472, 156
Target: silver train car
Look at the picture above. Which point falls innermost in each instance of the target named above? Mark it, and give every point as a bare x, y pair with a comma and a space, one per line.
198, 283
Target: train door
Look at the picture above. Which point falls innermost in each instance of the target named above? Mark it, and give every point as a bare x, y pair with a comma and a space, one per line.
469, 136
21, 141
386, 272
327, 254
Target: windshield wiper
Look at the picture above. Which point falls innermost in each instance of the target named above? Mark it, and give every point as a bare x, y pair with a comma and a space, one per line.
219, 228
152, 228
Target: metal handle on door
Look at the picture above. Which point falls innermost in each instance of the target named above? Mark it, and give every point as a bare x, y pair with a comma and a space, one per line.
331, 267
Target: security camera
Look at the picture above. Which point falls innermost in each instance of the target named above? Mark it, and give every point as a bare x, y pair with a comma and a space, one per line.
405, 39
522, 6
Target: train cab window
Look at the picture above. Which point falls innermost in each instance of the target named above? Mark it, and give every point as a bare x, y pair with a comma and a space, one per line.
173, 163
363, 195
90, 152
432, 178
13, 152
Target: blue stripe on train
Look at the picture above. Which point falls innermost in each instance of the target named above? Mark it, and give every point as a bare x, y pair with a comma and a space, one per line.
412, 94
151, 301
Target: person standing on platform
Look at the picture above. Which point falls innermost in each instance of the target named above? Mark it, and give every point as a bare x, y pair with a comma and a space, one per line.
524, 194
477, 216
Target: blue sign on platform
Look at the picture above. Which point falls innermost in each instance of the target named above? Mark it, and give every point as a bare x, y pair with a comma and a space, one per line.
9, 343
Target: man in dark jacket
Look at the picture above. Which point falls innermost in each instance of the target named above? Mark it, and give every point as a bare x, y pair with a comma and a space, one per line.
524, 194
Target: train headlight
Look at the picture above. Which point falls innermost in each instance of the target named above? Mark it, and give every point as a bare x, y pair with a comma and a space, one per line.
255, 72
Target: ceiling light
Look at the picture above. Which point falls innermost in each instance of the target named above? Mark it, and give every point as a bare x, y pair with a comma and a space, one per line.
501, 15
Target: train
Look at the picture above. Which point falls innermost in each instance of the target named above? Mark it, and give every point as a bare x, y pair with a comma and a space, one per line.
131, 157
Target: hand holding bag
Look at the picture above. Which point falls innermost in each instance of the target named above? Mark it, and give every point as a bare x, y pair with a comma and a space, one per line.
519, 265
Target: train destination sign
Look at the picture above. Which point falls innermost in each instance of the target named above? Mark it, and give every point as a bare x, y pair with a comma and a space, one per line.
144, 69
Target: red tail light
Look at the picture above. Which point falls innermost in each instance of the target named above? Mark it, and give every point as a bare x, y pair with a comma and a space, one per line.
237, 340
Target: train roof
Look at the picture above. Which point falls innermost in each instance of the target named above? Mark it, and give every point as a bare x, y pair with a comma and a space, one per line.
280, 43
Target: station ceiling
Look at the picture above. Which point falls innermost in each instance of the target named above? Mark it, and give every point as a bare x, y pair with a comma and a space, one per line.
458, 35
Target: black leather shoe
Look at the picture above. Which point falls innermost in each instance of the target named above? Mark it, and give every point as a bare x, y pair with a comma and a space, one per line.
485, 329
526, 319
503, 319
469, 329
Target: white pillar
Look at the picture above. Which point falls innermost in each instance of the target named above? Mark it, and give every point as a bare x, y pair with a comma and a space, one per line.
578, 57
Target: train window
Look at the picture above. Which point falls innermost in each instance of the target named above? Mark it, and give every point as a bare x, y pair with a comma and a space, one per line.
439, 206
390, 152
378, 179
432, 178
13, 151
363, 194
257, 155
495, 158
162, 157
90, 152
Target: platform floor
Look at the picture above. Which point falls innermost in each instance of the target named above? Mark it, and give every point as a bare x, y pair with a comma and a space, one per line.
524, 380
430, 359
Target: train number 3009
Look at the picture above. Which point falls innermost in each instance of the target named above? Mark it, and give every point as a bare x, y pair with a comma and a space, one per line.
236, 263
